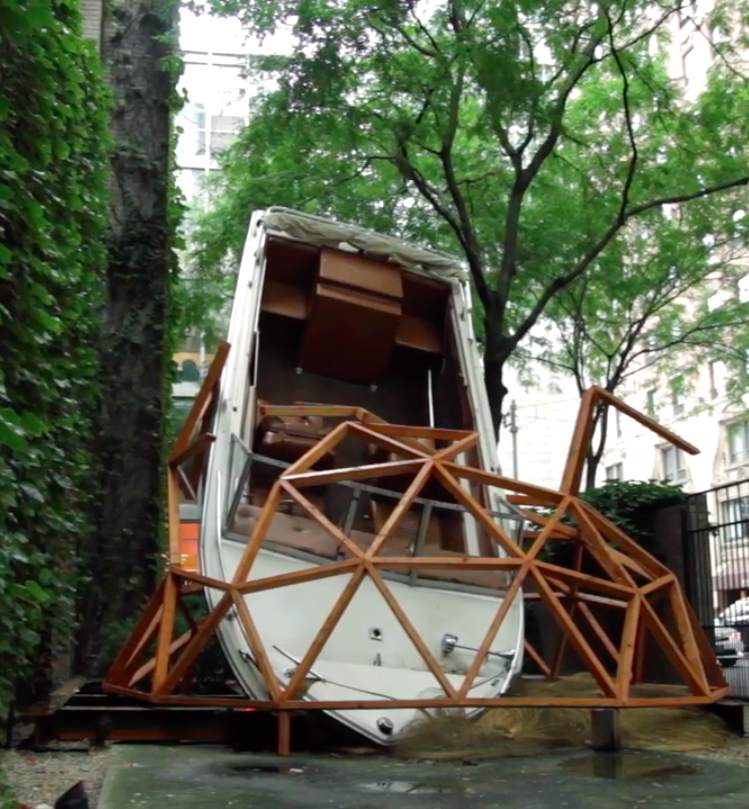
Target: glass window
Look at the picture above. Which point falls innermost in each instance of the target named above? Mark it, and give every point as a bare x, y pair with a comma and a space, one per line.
674, 464
677, 400
615, 471
744, 289
717, 377
650, 406
734, 518
738, 442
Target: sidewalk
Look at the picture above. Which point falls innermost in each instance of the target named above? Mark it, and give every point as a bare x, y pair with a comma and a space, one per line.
195, 777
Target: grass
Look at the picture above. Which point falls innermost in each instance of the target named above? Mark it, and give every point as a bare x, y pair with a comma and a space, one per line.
529, 731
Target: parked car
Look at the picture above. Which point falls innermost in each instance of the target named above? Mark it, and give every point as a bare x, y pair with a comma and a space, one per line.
729, 645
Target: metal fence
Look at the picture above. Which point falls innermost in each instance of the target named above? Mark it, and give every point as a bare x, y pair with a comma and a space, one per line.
716, 572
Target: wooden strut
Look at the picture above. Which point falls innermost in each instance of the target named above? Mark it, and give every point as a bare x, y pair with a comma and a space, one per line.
630, 579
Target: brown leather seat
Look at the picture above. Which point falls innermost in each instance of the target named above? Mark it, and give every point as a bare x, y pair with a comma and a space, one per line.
304, 534
287, 438
300, 533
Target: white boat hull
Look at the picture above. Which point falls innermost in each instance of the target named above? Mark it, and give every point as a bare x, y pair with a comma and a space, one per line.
368, 654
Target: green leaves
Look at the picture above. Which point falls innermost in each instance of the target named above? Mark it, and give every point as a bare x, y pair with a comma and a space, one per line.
526, 136
53, 161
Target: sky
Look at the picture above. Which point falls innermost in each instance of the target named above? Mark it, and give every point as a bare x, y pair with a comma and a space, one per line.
225, 35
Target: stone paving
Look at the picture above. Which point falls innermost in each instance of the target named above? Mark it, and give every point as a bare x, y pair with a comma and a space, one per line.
198, 777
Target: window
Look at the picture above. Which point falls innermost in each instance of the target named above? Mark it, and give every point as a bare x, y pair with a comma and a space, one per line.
618, 422
674, 464
734, 518
687, 65
717, 378
677, 399
738, 442
615, 471
650, 407
744, 289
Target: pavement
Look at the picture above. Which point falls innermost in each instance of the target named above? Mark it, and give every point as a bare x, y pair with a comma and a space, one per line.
201, 777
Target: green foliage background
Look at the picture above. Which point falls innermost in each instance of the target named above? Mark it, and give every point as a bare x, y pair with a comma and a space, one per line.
53, 203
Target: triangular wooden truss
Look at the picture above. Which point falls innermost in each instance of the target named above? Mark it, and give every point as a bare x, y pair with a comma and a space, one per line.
156, 662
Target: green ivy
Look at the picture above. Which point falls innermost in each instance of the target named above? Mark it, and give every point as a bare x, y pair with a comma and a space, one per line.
53, 159
630, 505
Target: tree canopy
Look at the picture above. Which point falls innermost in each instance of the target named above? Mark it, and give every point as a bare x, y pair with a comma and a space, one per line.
529, 137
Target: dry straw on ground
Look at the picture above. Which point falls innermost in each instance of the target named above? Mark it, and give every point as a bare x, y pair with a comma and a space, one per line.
526, 731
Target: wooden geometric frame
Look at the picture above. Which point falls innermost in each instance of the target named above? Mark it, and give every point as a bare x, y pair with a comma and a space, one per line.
628, 577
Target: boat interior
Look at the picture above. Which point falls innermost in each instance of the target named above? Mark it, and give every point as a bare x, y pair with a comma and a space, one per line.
340, 328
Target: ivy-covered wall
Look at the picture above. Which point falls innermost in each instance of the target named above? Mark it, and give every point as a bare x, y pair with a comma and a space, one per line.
53, 204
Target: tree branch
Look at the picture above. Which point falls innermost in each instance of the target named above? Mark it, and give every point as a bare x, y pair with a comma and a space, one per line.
595, 250
632, 167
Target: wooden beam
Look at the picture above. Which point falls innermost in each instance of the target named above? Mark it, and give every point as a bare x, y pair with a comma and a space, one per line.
409, 629
545, 497
322, 520
448, 562
258, 533
324, 633
202, 401
348, 473
684, 628
494, 627
429, 433
140, 636
646, 421
206, 628
475, 509
440, 702
404, 504
537, 659
173, 520
584, 580
579, 445
148, 667
694, 680
310, 458
297, 576
567, 625
597, 547
398, 448
256, 645
626, 655
198, 445
166, 631
613, 533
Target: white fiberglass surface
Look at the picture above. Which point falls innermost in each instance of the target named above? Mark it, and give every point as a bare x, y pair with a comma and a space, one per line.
368, 655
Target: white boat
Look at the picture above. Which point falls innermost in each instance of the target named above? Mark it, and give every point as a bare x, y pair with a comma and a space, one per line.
333, 314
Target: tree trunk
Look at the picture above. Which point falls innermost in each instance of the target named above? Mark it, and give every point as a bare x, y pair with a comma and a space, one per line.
593, 460
134, 349
497, 350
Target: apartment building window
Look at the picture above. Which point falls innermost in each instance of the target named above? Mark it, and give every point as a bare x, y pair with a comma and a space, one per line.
687, 65
738, 442
677, 399
744, 289
650, 406
734, 518
674, 464
615, 471
717, 378
618, 423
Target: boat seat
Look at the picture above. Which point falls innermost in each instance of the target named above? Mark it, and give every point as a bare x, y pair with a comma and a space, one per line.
287, 438
304, 534
300, 533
